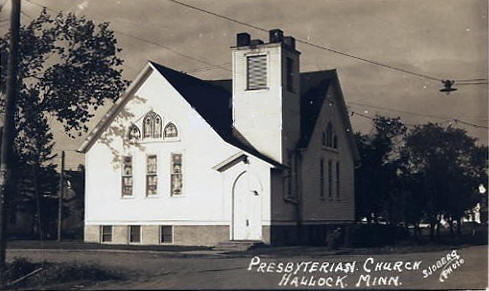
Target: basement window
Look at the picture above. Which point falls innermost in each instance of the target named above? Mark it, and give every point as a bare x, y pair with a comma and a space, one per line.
256, 72
166, 234
106, 233
134, 233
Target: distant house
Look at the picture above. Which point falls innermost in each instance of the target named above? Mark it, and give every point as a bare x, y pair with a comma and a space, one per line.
267, 156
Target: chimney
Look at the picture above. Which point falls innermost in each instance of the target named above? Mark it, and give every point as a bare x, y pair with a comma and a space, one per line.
243, 39
256, 42
276, 35
290, 42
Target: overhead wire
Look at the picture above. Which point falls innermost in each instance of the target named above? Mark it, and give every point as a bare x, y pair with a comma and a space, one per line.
474, 81
306, 42
150, 42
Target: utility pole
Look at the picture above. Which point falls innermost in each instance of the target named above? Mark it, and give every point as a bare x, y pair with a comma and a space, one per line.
61, 194
8, 128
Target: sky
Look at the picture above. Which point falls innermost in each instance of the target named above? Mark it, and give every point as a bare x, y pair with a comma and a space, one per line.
443, 39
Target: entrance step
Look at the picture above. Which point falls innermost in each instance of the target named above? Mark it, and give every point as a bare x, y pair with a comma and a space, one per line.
236, 246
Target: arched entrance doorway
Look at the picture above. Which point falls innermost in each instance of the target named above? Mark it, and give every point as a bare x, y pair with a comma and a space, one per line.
247, 194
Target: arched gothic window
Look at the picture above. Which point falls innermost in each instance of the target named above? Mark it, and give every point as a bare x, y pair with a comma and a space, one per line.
170, 130
157, 126
152, 124
134, 133
329, 135
335, 141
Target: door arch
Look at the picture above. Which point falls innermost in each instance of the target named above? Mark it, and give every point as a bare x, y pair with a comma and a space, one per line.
246, 214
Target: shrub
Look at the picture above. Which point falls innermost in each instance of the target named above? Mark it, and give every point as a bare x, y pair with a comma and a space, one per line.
376, 235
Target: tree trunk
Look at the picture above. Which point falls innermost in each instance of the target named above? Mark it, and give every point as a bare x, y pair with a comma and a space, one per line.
432, 231
450, 221
459, 226
38, 201
417, 232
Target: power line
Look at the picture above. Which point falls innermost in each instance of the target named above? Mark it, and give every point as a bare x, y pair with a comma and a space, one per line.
172, 50
150, 42
309, 43
469, 123
475, 83
470, 80
413, 125
386, 109
399, 111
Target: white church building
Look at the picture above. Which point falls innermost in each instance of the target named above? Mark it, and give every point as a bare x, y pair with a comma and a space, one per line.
267, 156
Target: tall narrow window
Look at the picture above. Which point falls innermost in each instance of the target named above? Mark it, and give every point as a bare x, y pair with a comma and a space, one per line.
157, 127
329, 135
337, 179
330, 178
127, 176
170, 130
321, 179
289, 179
151, 175
290, 74
152, 125
135, 233
335, 141
166, 232
106, 233
148, 126
256, 72
176, 174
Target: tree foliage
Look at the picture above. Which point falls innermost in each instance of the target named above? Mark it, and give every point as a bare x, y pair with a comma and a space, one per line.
377, 175
68, 67
429, 172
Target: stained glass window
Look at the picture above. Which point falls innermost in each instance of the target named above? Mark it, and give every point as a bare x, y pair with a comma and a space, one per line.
152, 125
171, 130
127, 176
151, 175
176, 174
134, 133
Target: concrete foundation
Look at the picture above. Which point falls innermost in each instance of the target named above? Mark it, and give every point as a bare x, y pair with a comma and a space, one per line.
197, 235
211, 235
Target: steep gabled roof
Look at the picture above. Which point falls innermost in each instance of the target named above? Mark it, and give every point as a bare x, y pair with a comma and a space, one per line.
213, 101
314, 86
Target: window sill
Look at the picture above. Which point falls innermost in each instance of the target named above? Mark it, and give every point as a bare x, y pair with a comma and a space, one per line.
291, 200
152, 196
155, 140
166, 243
330, 149
178, 196
127, 197
171, 139
257, 90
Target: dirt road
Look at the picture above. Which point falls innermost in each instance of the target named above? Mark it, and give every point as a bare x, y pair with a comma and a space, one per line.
464, 268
